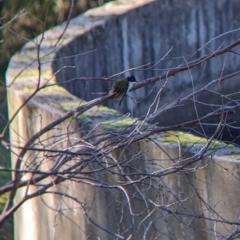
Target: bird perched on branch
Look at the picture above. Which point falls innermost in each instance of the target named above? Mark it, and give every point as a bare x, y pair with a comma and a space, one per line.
122, 86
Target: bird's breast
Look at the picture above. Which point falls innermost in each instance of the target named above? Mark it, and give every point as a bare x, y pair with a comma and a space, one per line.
130, 84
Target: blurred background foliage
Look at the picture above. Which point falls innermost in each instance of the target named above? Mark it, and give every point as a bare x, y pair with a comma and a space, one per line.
21, 21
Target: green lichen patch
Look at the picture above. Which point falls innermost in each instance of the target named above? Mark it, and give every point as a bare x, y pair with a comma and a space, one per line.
109, 118
48, 89
186, 139
24, 76
70, 102
193, 144
235, 156
99, 113
105, 111
84, 119
118, 123
106, 118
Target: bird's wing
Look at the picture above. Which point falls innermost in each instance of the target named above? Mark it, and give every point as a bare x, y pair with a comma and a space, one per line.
118, 92
121, 98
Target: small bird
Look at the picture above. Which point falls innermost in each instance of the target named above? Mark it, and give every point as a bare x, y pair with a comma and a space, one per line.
122, 86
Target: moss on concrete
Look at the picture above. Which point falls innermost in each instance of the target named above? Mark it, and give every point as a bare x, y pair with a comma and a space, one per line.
118, 123
185, 139
54, 89
193, 143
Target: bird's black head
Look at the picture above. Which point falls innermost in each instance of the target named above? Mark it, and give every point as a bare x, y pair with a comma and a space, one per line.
131, 78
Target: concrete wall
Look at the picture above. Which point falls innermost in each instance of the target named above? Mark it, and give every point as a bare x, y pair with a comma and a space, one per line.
119, 37
144, 35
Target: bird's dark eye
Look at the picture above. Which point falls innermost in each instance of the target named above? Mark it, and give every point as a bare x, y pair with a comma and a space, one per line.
131, 79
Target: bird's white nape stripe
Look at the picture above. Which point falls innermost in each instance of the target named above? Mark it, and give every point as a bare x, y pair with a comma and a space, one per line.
130, 84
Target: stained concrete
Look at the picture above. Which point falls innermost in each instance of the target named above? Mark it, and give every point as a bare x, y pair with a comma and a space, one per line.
103, 42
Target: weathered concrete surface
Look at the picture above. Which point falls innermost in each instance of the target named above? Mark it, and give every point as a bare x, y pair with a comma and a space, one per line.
119, 37
131, 38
